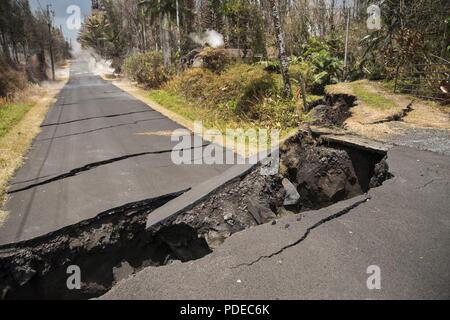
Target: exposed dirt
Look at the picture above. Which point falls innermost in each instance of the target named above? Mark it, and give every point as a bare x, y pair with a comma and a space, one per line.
397, 116
15, 144
324, 173
332, 111
320, 174
239, 205
381, 123
116, 244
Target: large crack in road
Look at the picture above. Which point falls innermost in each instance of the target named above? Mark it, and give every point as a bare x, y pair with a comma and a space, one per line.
338, 214
116, 244
94, 165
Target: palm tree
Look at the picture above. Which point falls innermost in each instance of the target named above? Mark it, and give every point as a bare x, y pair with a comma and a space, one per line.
164, 11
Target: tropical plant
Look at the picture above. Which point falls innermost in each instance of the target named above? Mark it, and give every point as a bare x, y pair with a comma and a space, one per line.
147, 68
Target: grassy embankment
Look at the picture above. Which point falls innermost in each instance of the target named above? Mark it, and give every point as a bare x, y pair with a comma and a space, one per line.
20, 120
377, 101
242, 96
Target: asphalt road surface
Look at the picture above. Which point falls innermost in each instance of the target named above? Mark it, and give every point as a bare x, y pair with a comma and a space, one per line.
99, 148
399, 233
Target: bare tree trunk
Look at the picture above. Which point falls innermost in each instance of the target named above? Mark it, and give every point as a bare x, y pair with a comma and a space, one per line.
332, 6
166, 40
5, 46
281, 48
178, 25
143, 31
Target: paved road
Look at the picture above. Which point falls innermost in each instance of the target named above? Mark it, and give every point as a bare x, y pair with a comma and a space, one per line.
404, 229
92, 156
436, 140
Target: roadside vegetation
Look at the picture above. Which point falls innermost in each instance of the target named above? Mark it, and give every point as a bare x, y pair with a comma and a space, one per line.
20, 120
11, 114
367, 93
240, 63
24, 44
24, 65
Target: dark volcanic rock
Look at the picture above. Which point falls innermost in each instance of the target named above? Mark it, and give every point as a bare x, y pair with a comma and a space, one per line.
262, 214
381, 174
333, 111
241, 204
322, 175
326, 176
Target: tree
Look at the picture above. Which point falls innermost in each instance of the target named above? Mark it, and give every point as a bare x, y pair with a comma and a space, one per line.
167, 12
287, 90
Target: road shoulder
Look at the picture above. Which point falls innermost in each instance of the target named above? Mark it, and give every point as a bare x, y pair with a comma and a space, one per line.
15, 144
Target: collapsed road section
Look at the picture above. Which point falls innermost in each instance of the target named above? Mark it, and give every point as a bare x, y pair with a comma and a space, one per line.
104, 247
314, 173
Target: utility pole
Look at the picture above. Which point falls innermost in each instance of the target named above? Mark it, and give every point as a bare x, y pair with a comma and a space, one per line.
346, 43
50, 40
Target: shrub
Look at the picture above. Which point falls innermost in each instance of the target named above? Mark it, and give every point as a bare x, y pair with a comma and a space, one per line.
271, 66
241, 91
147, 68
216, 60
239, 85
302, 70
322, 66
11, 80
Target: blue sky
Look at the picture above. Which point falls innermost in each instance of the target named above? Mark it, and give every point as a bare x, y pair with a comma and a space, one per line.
60, 7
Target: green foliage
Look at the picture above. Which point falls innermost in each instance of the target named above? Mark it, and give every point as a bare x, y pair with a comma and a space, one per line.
11, 114
411, 35
372, 99
147, 68
24, 38
241, 92
216, 60
240, 15
271, 65
320, 67
105, 32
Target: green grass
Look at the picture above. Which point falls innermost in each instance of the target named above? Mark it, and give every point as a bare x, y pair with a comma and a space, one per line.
10, 115
179, 105
371, 99
222, 118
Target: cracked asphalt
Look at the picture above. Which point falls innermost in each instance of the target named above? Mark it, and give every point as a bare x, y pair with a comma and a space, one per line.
403, 227
99, 148
429, 139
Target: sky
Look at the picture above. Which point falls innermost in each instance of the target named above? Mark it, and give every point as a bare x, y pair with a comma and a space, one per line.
61, 16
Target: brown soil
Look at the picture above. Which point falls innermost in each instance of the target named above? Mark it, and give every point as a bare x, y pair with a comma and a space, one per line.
332, 111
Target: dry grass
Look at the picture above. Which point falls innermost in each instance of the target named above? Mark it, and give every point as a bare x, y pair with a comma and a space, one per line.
15, 143
3, 217
375, 103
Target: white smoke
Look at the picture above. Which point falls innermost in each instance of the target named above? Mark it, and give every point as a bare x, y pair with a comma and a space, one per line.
209, 37
95, 63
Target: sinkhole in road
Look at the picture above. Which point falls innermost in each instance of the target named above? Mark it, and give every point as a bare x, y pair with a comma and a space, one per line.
115, 244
